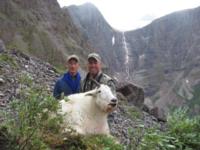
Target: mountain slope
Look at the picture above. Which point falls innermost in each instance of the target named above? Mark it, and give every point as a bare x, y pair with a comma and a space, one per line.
167, 56
40, 28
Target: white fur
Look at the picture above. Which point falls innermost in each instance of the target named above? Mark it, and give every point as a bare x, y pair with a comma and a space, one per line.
87, 112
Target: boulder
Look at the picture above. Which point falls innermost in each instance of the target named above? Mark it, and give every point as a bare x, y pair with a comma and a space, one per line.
148, 105
121, 97
159, 113
2, 81
153, 110
133, 93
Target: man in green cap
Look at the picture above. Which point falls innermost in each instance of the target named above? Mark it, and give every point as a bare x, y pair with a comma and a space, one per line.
95, 72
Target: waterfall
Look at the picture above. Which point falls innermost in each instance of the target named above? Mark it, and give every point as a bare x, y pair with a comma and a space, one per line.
126, 63
113, 40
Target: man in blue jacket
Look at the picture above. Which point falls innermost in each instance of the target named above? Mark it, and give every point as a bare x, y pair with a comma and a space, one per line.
69, 83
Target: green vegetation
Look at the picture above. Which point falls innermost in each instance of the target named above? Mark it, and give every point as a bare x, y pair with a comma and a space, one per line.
93, 142
29, 120
182, 133
135, 135
60, 68
134, 113
8, 60
26, 79
196, 97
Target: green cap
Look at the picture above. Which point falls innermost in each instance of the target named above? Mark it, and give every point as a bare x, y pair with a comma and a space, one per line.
94, 56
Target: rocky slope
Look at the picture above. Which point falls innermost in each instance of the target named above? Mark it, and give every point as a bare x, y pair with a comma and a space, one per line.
15, 66
162, 57
40, 28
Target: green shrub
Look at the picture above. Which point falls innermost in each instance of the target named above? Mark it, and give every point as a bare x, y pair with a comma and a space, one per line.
101, 142
91, 142
135, 135
182, 133
185, 129
30, 119
154, 139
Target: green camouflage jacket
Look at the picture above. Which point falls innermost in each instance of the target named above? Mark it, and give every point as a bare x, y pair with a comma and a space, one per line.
88, 85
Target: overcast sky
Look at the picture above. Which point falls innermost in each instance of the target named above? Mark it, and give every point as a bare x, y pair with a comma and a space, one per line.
132, 14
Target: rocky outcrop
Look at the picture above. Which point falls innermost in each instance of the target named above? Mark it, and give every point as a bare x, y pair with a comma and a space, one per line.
134, 96
159, 113
133, 93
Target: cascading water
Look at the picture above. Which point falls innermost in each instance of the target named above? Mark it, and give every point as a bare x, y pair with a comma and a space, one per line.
113, 40
126, 63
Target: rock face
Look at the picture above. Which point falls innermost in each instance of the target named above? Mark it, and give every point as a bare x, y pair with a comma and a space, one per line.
99, 34
167, 58
40, 28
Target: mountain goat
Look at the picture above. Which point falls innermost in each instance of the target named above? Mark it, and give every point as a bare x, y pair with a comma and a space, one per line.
87, 112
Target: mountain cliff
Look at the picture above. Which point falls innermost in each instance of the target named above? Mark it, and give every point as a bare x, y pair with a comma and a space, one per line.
162, 57
166, 58
40, 28
99, 34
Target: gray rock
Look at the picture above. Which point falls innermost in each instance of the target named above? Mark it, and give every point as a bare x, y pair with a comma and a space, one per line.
1, 81
2, 104
133, 94
121, 96
1, 94
148, 105
2, 46
159, 113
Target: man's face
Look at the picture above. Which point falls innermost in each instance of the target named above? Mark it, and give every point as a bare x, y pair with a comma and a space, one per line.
73, 66
94, 66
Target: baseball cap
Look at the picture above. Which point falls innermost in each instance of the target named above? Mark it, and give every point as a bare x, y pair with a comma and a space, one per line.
94, 56
73, 57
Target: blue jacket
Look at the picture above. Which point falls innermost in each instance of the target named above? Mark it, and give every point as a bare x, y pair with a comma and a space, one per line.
62, 86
